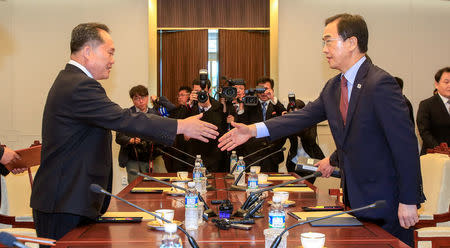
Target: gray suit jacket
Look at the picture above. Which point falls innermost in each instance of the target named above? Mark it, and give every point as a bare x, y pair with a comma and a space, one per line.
76, 143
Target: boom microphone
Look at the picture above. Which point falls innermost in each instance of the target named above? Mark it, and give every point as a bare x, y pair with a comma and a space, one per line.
98, 189
208, 211
179, 159
10, 241
377, 204
183, 152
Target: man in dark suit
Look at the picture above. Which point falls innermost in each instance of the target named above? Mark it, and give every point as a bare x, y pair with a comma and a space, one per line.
213, 158
433, 116
76, 136
375, 141
268, 107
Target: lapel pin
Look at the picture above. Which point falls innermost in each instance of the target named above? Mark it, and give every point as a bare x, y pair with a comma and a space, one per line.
358, 86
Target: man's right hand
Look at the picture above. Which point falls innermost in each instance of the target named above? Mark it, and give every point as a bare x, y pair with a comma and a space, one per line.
325, 167
193, 127
236, 136
9, 156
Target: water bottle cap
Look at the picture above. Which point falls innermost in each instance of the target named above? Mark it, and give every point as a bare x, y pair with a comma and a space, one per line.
191, 184
276, 198
233, 152
170, 227
199, 156
253, 169
241, 157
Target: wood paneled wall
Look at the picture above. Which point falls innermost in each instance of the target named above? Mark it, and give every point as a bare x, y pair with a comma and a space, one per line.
244, 54
213, 13
183, 54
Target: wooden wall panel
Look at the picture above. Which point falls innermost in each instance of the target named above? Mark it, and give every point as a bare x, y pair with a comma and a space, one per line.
183, 54
244, 54
214, 13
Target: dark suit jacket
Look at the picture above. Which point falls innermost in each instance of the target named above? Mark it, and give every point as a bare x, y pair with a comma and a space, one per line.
433, 122
377, 148
212, 156
251, 115
76, 143
3, 170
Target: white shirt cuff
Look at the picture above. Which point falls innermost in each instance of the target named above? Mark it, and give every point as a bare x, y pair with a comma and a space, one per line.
261, 130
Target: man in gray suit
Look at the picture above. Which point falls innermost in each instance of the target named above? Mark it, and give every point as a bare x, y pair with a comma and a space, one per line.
76, 136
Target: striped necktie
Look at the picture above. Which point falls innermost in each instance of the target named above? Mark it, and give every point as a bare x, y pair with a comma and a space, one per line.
343, 105
264, 110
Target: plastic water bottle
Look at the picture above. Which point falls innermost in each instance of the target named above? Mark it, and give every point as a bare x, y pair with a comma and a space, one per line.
191, 204
202, 165
197, 176
171, 238
233, 159
240, 166
252, 183
277, 216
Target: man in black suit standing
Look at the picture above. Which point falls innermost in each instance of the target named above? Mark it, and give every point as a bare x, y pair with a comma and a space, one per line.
368, 118
76, 136
433, 116
267, 107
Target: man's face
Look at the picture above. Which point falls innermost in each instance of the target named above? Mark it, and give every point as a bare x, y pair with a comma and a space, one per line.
443, 86
335, 49
240, 91
266, 95
101, 57
183, 97
141, 102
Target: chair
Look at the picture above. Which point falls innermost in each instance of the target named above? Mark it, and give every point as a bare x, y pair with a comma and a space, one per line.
433, 228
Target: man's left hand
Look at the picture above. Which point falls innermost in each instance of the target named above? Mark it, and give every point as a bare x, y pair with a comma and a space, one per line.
407, 215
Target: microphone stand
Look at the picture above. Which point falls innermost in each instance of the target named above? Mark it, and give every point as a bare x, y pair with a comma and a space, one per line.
377, 204
234, 186
98, 189
209, 212
208, 175
183, 152
230, 175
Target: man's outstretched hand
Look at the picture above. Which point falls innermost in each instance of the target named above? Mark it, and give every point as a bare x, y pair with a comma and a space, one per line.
236, 136
193, 127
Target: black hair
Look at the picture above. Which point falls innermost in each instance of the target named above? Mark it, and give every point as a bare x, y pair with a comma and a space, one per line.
264, 80
299, 104
139, 90
351, 25
399, 81
86, 32
439, 73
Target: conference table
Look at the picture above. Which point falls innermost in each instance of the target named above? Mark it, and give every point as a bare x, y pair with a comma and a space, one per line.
208, 235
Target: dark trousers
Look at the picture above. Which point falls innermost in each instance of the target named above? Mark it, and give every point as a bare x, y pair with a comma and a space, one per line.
56, 225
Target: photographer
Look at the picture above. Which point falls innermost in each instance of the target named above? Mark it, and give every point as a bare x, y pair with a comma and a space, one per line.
266, 108
232, 106
303, 144
201, 102
135, 153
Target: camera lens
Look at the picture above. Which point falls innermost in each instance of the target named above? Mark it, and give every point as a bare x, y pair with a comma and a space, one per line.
202, 96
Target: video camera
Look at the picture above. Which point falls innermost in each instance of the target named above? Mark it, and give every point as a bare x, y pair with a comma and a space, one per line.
202, 96
229, 92
250, 99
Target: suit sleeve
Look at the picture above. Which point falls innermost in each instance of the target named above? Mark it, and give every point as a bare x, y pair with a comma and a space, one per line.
122, 139
2, 150
167, 104
424, 125
91, 105
392, 114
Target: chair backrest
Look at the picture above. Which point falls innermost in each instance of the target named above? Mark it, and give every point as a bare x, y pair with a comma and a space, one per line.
436, 183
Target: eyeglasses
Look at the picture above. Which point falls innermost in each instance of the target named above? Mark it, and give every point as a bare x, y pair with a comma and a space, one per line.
328, 41
183, 94
140, 98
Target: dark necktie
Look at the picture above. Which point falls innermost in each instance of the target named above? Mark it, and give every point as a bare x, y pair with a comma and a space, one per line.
343, 105
264, 110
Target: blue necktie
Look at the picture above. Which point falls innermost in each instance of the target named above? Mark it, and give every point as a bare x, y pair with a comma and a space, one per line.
264, 110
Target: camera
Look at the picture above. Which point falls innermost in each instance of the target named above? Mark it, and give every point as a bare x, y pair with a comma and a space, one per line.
250, 99
229, 92
202, 96
291, 98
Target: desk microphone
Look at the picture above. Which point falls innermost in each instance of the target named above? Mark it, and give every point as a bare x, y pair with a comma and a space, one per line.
179, 159
377, 204
255, 195
251, 154
183, 152
98, 189
10, 241
234, 186
208, 211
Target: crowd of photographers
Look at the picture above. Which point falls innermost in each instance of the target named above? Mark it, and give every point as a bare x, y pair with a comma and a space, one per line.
236, 103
